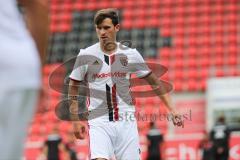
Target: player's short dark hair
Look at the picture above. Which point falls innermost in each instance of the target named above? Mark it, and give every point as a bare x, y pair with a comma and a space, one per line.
106, 13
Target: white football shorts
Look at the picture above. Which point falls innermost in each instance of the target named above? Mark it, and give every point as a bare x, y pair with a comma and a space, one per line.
117, 139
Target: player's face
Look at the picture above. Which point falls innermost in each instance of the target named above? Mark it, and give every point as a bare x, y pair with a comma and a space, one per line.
106, 31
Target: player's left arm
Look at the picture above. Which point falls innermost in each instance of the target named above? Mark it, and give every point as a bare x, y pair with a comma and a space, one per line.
155, 84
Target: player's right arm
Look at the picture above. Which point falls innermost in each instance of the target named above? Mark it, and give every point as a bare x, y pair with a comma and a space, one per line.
73, 94
75, 88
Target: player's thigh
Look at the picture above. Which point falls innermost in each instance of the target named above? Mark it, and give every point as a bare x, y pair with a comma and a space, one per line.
100, 143
127, 146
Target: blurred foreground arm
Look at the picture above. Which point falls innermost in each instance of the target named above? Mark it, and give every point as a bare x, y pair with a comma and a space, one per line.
36, 13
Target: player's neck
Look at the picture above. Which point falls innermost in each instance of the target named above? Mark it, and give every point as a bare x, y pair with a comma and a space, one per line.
108, 47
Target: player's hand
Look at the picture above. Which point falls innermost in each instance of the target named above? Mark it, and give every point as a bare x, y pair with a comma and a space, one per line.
79, 130
177, 119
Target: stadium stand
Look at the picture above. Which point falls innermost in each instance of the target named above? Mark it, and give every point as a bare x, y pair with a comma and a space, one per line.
194, 39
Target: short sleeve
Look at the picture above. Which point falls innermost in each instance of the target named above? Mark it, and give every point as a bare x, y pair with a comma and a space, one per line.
140, 68
80, 68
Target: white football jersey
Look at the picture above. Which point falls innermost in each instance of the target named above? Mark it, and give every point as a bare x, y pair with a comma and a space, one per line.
108, 80
19, 59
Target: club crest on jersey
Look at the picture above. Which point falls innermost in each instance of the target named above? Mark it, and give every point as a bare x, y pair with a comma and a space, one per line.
124, 61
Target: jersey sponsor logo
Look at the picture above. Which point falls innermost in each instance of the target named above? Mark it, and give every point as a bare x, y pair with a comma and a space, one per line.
110, 74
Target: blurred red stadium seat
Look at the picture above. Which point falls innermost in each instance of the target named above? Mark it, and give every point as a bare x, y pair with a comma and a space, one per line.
177, 41
178, 54
117, 4
179, 21
139, 23
164, 53
166, 31
218, 61
165, 22
191, 9
192, 85
53, 27
129, 4
139, 13
78, 6
232, 49
64, 27
153, 22
178, 63
233, 71
179, 11
127, 24
54, 8
205, 62
67, 6
178, 75
178, 86
128, 14
155, 3
192, 74
233, 40
232, 60
103, 4
219, 72
154, 12
204, 73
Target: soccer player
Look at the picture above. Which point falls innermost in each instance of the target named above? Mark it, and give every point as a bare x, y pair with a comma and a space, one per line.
21, 46
155, 139
220, 136
105, 68
54, 145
